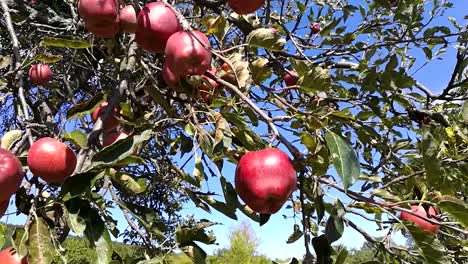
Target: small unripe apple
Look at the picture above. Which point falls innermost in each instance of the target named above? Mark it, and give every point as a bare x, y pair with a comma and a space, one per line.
51, 160
111, 122
4, 207
186, 55
315, 28
168, 76
155, 24
112, 137
423, 224
290, 78
11, 174
10, 256
244, 7
265, 179
128, 19
40, 74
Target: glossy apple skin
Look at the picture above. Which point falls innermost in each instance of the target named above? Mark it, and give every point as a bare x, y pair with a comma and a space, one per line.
265, 179
9, 256
425, 225
155, 24
111, 122
206, 91
4, 207
128, 19
290, 78
186, 55
40, 74
100, 17
51, 160
315, 28
244, 7
112, 137
11, 174
168, 76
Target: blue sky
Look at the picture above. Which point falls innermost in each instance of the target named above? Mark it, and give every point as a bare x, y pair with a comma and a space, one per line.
274, 234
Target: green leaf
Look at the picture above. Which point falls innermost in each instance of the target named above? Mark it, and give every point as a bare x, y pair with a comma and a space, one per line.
465, 112
220, 206
79, 184
334, 229
455, 208
2, 235
41, 249
341, 258
229, 192
386, 195
297, 233
186, 235
431, 249
98, 237
195, 253
72, 211
316, 79
48, 58
85, 108
65, 43
120, 150
344, 159
322, 249
260, 70
5, 61
216, 26
264, 218
10, 137
134, 186
78, 138
241, 69
267, 38
429, 150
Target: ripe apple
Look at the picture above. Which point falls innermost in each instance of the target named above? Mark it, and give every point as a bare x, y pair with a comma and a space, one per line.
9, 256
4, 207
243, 7
155, 24
11, 174
51, 160
207, 91
265, 179
40, 74
112, 137
111, 122
315, 28
290, 78
168, 76
128, 20
186, 55
425, 225
100, 16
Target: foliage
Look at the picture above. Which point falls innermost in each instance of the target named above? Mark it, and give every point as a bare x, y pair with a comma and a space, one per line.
243, 248
359, 121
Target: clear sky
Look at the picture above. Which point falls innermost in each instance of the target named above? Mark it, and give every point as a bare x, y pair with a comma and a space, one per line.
274, 234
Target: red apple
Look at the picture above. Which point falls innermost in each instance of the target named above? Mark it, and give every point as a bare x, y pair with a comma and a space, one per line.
425, 225
186, 55
265, 179
315, 28
11, 174
100, 17
51, 160
155, 24
111, 122
225, 67
112, 137
168, 76
9, 256
128, 20
4, 207
207, 91
290, 78
245, 6
40, 74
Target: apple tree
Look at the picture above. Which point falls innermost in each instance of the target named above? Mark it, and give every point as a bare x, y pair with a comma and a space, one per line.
140, 106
